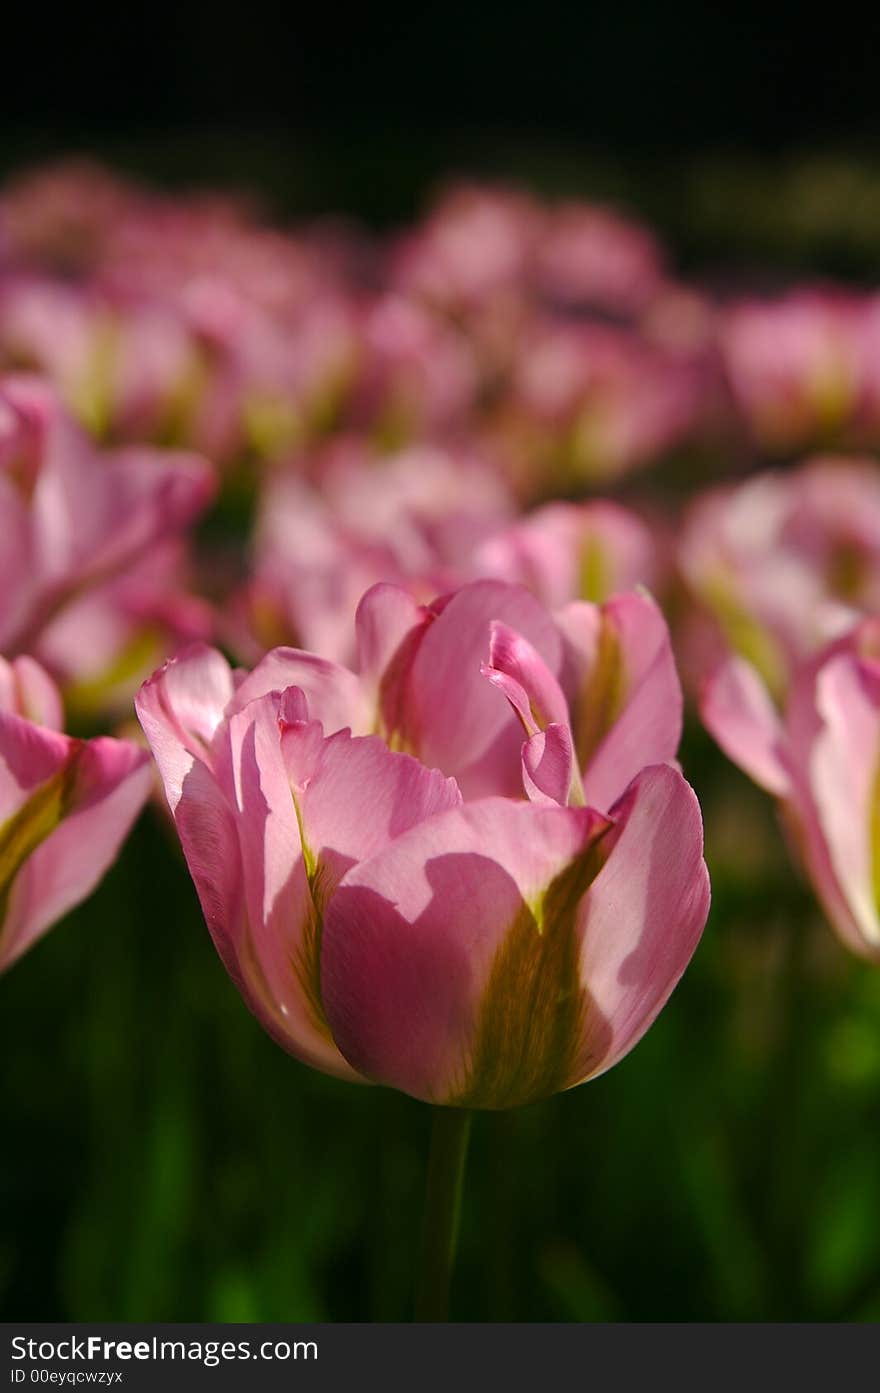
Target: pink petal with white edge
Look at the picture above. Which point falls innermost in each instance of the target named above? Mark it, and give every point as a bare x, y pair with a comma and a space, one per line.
199, 793
385, 618
426, 943
843, 774
180, 708
309, 808
803, 728
643, 915
454, 720
280, 909
737, 710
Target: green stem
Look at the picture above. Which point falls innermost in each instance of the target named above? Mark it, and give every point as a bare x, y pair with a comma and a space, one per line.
449, 1144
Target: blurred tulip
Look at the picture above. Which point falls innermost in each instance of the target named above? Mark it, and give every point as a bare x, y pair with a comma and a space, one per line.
819, 760
589, 257
414, 517
781, 564
573, 551
416, 375
587, 403
82, 534
27, 690
801, 368
479, 954
475, 246
61, 216
66, 806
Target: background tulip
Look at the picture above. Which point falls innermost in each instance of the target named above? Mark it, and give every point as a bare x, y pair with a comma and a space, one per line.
782, 564
820, 763
88, 543
66, 806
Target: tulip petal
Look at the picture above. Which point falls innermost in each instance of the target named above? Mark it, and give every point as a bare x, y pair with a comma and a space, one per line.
643, 915
390, 626
548, 765
453, 719
843, 775
627, 703
65, 837
385, 617
512, 656
26, 689
449, 961
280, 911
333, 693
736, 709
180, 709
307, 809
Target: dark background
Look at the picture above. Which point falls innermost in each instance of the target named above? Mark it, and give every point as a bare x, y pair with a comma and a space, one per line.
360, 109
639, 76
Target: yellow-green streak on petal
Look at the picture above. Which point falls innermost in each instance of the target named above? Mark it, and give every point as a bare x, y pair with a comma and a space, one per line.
599, 703
21, 834
593, 580
848, 571
85, 697
747, 637
530, 1028
92, 400
307, 959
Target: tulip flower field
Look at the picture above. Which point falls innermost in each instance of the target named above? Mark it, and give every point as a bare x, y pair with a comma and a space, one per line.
439, 768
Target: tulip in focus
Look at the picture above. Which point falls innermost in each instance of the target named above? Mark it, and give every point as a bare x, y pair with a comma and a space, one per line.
469, 870
820, 761
66, 807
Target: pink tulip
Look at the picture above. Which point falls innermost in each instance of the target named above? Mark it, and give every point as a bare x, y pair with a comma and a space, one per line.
66, 806
104, 643
481, 952
61, 216
819, 761
590, 402
77, 525
781, 564
123, 371
416, 375
475, 246
801, 368
573, 551
589, 257
27, 690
